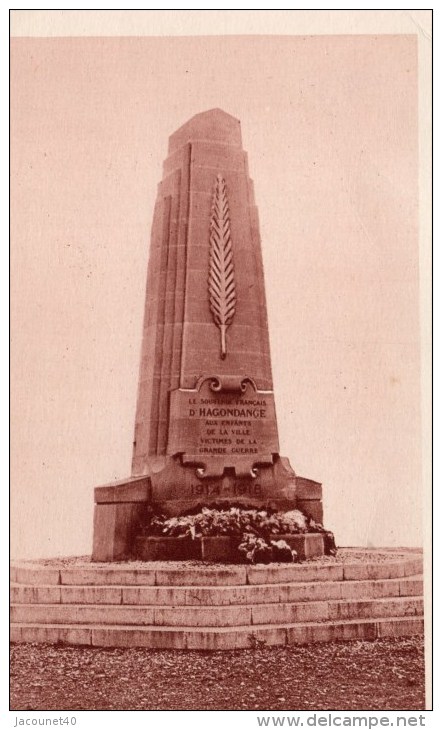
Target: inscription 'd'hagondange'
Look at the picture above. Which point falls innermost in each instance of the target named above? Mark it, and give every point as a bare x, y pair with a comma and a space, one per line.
227, 428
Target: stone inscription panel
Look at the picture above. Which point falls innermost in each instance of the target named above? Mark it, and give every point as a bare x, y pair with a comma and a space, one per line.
228, 426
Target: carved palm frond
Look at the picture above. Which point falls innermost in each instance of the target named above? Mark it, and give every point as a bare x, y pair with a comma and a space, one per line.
222, 294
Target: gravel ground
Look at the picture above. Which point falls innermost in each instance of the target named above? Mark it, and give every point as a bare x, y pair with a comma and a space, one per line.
344, 555
387, 674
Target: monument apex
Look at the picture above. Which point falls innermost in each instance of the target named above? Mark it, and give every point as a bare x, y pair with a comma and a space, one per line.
214, 125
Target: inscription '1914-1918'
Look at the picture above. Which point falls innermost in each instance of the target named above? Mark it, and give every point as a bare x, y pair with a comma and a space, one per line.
236, 489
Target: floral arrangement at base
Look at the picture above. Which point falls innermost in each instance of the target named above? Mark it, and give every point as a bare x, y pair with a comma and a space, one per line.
256, 530
257, 550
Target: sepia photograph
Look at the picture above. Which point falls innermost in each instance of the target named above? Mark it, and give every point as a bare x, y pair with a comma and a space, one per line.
220, 361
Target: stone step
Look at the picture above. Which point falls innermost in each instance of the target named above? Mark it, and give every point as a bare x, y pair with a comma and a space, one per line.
31, 574
240, 637
270, 613
216, 595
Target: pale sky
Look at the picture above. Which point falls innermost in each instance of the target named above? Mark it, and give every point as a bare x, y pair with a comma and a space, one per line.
330, 126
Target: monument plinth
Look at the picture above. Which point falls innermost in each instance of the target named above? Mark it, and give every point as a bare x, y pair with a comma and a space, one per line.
206, 430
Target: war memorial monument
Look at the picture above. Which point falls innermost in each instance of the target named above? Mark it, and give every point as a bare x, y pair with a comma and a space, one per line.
206, 444
205, 430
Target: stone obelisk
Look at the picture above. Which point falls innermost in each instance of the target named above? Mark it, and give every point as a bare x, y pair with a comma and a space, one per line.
205, 430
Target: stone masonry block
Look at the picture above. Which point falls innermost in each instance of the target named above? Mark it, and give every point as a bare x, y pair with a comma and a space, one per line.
33, 575
106, 577
134, 489
153, 596
90, 594
311, 507
411, 587
35, 594
225, 576
400, 627
203, 616
115, 528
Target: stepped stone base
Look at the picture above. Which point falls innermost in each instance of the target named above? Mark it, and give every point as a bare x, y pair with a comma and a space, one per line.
204, 607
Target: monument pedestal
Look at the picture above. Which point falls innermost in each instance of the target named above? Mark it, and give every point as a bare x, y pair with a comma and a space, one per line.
122, 508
